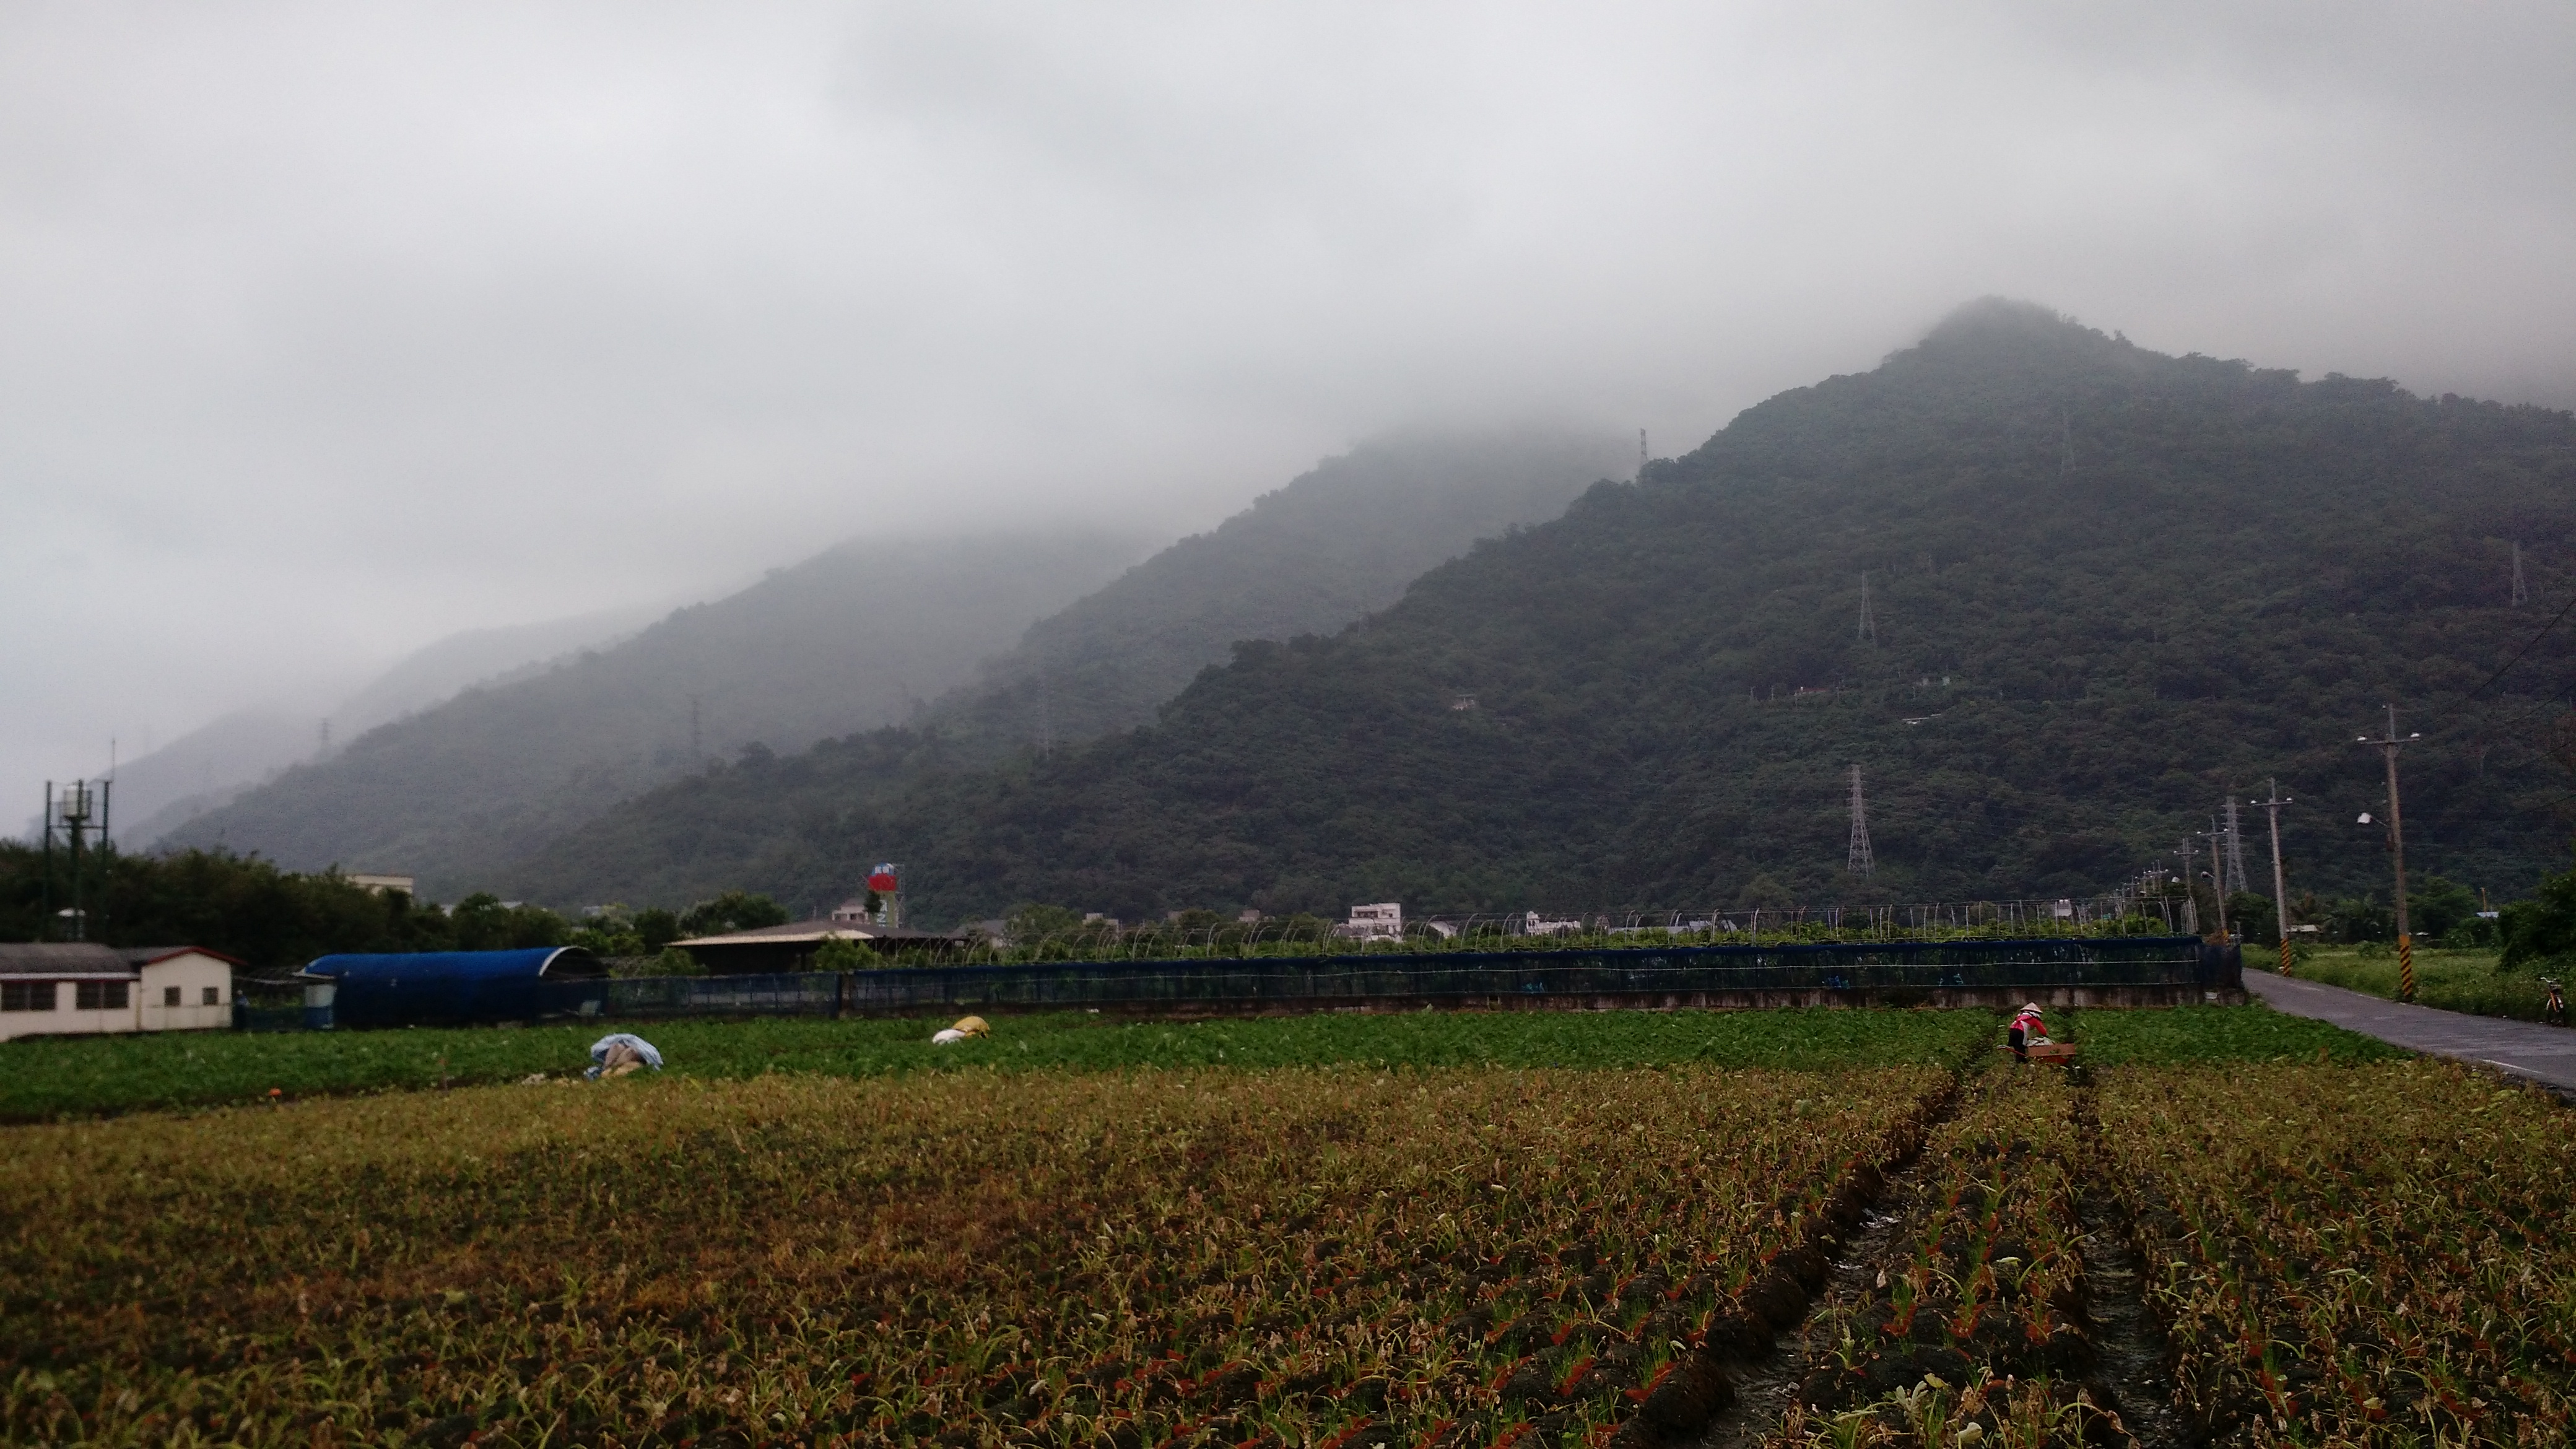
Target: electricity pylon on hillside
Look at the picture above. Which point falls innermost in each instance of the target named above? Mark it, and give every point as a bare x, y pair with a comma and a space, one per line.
2235, 849
1868, 620
1860, 862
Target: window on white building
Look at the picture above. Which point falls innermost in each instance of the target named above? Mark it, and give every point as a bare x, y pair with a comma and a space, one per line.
214, 996
26, 996
169, 996
100, 996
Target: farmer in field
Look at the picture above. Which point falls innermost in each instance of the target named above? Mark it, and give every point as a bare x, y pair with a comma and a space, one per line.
2026, 1031
619, 1053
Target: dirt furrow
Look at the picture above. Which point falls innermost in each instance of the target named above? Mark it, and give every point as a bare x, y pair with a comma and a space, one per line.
1734, 1387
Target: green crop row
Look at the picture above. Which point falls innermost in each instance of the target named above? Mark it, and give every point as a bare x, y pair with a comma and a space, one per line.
44, 1078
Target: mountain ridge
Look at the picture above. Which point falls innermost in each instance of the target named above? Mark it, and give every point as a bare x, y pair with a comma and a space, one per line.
2110, 585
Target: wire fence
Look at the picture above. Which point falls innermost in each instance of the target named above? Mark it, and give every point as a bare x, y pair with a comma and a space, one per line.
1666, 975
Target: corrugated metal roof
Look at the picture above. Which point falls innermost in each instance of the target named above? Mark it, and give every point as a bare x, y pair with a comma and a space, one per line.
59, 958
427, 966
146, 955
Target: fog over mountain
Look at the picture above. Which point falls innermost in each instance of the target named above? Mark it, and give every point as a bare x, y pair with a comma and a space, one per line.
327, 333
212, 764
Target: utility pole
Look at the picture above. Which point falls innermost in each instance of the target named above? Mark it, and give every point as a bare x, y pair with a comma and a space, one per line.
2190, 906
2388, 745
2280, 883
1861, 863
1868, 622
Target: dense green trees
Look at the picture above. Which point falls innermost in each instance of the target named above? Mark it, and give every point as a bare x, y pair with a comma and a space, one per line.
277, 920
2109, 587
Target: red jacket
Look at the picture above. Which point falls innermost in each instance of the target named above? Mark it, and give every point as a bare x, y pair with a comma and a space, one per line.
2029, 1025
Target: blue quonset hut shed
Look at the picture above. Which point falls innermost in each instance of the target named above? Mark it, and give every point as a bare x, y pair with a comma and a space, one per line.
455, 988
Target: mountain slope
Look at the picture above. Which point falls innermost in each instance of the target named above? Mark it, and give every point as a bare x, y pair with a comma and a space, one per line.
857, 636
1336, 543
213, 764
2108, 586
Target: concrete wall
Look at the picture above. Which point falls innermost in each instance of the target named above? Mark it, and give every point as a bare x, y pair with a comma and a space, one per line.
193, 975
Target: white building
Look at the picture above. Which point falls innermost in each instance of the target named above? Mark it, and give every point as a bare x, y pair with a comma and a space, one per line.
68, 988
1381, 922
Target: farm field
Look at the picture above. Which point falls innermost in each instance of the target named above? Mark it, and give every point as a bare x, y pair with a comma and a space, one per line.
1280, 1257
42, 1079
45, 1078
2452, 980
2273, 1242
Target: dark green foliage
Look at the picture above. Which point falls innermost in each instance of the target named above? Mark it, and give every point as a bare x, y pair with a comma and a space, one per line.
247, 907
2543, 928
732, 911
2436, 907
481, 922
2110, 586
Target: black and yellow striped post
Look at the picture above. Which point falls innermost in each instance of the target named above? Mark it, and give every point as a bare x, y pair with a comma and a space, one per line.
2285, 953
2405, 967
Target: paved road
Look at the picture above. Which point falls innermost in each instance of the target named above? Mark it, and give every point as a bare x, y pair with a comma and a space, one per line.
2542, 1053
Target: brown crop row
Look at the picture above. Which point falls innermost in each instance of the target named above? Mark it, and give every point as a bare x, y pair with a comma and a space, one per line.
1284, 1258
2357, 1257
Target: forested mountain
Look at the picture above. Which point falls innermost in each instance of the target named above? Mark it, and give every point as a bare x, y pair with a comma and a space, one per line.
213, 764
2107, 586
1310, 558
859, 636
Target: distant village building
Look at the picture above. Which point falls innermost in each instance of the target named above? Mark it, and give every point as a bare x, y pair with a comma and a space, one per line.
1534, 924
1381, 922
380, 883
63, 988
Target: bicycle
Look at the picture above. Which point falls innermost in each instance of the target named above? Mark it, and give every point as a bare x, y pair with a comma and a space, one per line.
2554, 1010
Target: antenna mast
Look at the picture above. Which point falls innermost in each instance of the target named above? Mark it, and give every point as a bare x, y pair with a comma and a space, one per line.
1861, 862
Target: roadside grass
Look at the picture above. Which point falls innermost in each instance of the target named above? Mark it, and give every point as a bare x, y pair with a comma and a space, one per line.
2452, 980
47, 1078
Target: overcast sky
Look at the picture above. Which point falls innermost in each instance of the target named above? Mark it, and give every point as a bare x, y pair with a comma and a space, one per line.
328, 330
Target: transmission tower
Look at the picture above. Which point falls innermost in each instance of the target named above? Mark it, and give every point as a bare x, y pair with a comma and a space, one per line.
2066, 444
1641, 454
1868, 620
1861, 862
2235, 849
2521, 595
